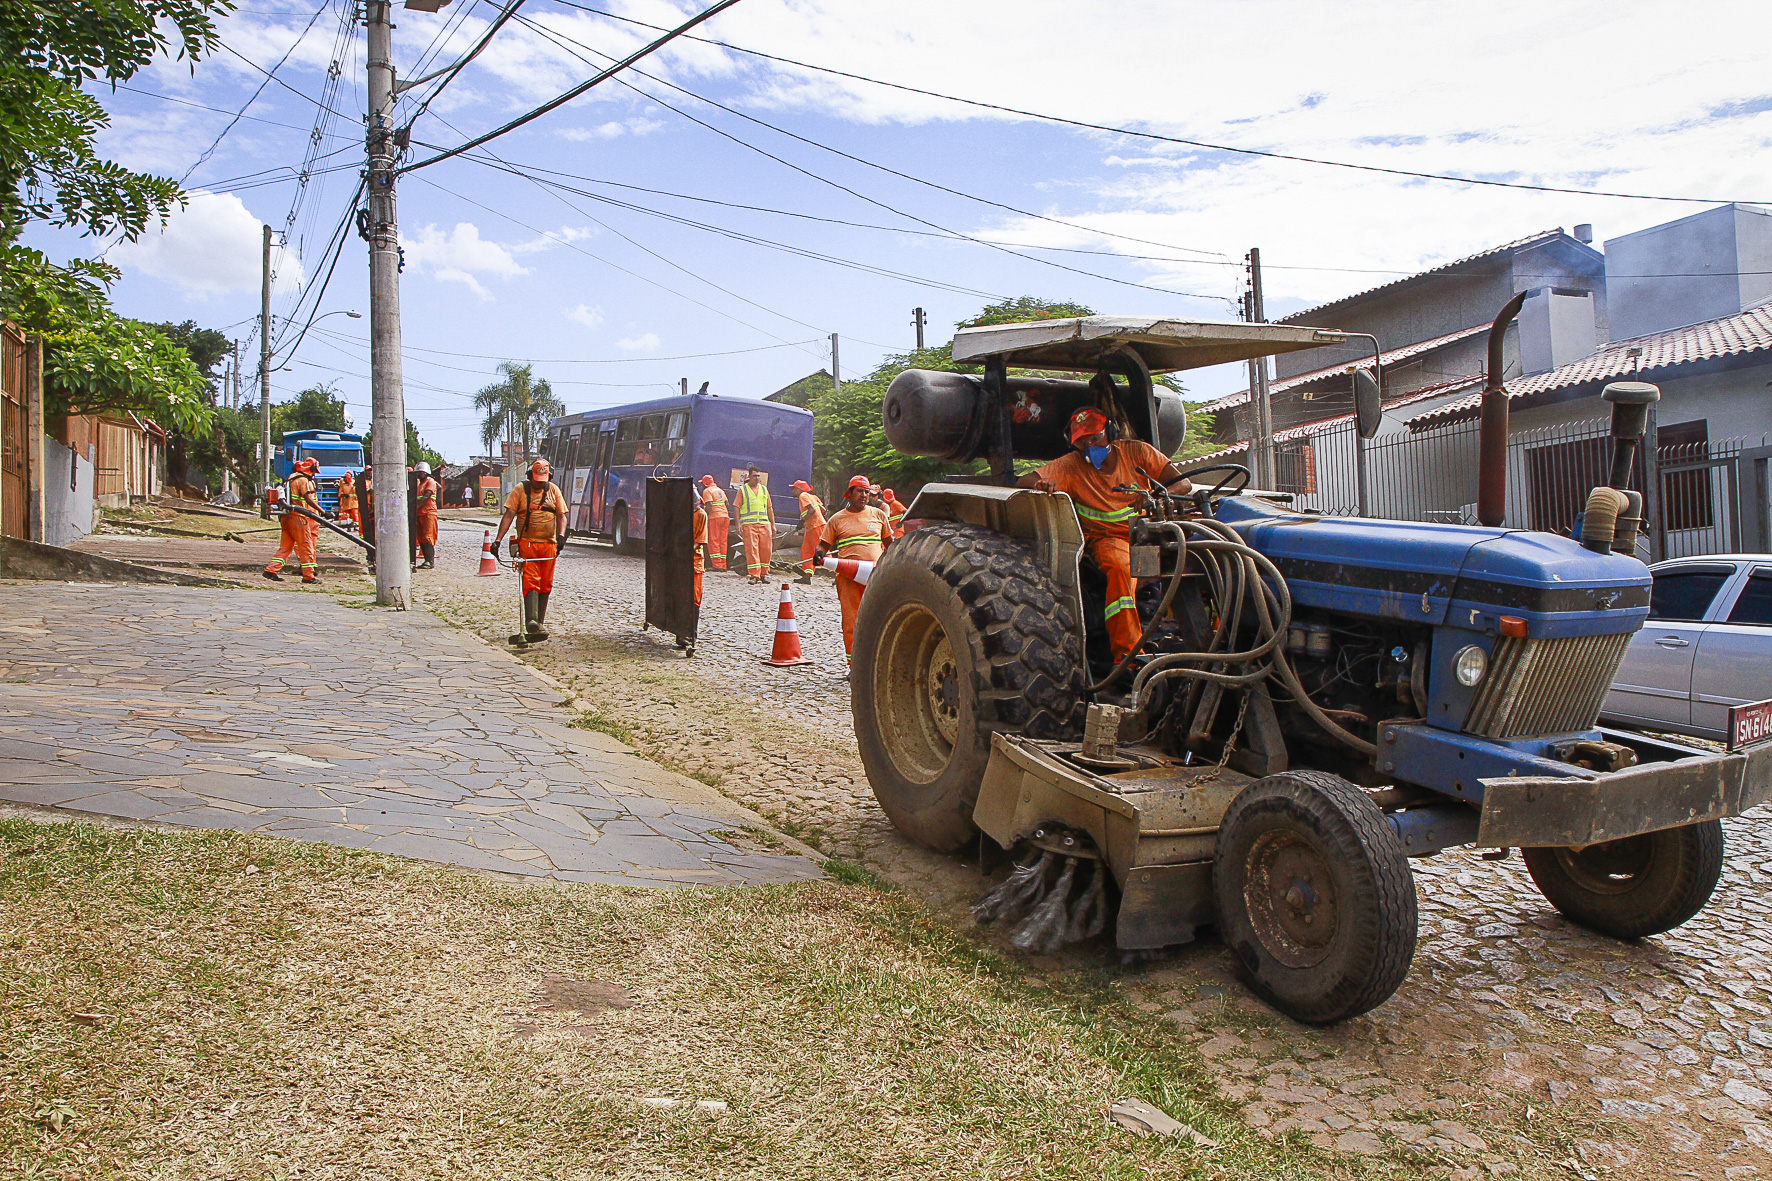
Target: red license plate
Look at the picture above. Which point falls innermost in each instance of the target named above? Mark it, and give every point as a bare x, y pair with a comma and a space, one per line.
1749, 724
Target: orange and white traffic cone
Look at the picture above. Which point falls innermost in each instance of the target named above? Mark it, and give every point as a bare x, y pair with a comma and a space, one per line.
488, 563
787, 633
854, 569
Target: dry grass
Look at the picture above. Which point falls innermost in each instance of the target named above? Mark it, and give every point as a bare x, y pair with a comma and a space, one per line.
216, 1005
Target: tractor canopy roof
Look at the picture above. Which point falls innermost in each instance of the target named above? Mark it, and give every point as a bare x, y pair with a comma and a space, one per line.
1080, 343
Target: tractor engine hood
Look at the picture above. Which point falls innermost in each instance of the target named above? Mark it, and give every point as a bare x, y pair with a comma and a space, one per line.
1464, 575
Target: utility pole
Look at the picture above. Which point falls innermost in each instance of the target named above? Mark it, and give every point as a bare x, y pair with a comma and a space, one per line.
1261, 443
917, 322
236, 392
685, 386
264, 373
836, 373
393, 567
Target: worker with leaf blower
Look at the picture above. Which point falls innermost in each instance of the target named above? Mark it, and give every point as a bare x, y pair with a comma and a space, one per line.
812, 521
859, 531
538, 508
300, 535
347, 501
1103, 475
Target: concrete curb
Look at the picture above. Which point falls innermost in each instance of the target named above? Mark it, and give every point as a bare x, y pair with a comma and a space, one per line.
34, 560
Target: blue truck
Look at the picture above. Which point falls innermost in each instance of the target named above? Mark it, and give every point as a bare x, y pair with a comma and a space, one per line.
338, 452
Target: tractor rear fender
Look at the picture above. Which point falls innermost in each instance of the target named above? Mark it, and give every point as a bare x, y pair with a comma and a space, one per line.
1045, 520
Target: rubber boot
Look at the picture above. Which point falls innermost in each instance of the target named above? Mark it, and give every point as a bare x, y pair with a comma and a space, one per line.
430, 554
536, 631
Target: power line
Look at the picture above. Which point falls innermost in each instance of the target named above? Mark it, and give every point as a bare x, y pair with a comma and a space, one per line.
280, 82
448, 75
1192, 143
551, 104
270, 76
185, 102
841, 187
579, 360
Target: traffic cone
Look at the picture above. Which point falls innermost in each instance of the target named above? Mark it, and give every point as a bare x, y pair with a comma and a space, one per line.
854, 569
488, 563
787, 633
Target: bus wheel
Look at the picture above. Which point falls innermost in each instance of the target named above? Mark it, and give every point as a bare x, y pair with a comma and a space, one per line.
619, 531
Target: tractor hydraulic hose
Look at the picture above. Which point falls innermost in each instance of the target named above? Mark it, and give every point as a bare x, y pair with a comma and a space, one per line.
1162, 610
1272, 626
1329, 725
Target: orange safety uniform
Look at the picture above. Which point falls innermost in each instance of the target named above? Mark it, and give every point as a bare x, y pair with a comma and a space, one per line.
699, 539
541, 519
812, 520
861, 535
753, 524
426, 500
719, 524
347, 501
1105, 516
895, 511
299, 533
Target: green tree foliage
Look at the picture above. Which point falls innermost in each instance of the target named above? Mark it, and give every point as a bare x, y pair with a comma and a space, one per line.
518, 408
1023, 309
1200, 426
416, 451
317, 408
51, 171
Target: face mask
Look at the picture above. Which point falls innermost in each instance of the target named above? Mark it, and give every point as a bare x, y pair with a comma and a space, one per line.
1097, 456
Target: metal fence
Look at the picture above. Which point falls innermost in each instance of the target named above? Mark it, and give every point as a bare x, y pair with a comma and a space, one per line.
1706, 497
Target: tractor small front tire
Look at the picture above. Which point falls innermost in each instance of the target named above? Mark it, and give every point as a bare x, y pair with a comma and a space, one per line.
1315, 896
961, 634
1634, 887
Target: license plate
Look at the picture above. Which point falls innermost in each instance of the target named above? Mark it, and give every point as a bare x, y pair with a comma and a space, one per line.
1749, 724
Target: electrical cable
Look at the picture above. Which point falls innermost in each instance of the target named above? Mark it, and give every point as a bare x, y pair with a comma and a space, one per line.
277, 80
270, 76
449, 75
542, 30
1192, 143
706, 14
411, 349
185, 102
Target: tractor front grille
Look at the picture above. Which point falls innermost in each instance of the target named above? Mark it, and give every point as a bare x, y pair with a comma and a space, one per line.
1545, 686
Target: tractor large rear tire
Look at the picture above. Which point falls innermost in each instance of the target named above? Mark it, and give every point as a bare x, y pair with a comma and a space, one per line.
1634, 887
961, 634
1315, 896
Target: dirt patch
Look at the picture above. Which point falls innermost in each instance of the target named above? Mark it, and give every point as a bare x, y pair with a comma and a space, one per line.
583, 996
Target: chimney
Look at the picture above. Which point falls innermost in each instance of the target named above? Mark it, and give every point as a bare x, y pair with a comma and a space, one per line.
1556, 327
1584, 233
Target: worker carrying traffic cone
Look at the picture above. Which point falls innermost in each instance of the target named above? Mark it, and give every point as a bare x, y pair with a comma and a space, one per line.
426, 497
538, 508
787, 633
812, 521
1103, 476
856, 531
488, 559
300, 534
895, 511
713, 500
756, 521
347, 501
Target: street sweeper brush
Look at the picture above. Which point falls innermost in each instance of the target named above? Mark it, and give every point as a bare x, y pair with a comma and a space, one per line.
1057, 896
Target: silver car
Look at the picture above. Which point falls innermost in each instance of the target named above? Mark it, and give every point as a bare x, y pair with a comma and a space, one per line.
1707, 645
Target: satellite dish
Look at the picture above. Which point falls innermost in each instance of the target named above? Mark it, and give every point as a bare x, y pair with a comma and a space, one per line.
1368, 403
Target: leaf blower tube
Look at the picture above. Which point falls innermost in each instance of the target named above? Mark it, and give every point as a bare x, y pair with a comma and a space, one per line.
344, 533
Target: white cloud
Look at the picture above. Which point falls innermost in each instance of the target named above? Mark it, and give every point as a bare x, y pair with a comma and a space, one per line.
460, 256
644, 343
612, 130
565, 234
589, 316
213, 246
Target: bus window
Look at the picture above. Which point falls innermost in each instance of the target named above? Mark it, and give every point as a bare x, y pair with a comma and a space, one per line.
652, 426
678, 425
626, 429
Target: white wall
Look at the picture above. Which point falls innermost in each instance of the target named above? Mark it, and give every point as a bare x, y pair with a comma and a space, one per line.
69, 511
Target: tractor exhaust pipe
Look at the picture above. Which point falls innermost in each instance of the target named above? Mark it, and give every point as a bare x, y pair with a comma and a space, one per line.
1492, 437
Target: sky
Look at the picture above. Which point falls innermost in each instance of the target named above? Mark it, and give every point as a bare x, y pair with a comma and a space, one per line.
727, 245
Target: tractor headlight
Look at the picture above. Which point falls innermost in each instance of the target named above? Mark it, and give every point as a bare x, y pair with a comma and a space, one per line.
1470, 664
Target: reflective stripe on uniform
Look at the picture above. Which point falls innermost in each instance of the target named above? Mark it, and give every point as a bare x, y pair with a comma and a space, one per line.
1113, 517
858, 539
1118, 605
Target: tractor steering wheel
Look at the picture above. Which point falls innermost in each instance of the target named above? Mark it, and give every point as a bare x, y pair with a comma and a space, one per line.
1232, 470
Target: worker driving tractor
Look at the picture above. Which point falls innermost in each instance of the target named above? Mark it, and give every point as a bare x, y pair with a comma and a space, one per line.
1103, 475
538, 508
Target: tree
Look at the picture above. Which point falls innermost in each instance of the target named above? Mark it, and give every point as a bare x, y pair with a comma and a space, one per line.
416, 451
317, 408
1023, 309
518, 408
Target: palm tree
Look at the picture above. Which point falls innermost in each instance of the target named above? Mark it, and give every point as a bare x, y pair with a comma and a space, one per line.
517, 408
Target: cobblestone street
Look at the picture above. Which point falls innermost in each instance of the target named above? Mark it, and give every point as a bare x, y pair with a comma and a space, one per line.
1519, 1042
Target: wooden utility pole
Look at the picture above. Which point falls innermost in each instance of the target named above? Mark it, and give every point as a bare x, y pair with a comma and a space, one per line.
1261, 442
393, 570
264, 371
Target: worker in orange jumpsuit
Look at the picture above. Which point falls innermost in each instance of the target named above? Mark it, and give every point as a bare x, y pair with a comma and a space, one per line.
1097, 467
699, 539
812, 521
894, 511
756, 521
347, 501
713, 500
538, 508
300, 533
857, 530
426, 498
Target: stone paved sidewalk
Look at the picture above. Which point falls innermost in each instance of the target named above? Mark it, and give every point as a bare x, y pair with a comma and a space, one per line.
293, 714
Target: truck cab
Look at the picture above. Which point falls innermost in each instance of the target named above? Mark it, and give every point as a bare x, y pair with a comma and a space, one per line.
337, 452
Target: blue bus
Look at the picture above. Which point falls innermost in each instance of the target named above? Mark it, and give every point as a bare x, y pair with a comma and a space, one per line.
337, 451
601, 458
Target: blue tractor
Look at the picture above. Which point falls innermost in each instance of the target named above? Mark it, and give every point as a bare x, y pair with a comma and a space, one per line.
1316, 700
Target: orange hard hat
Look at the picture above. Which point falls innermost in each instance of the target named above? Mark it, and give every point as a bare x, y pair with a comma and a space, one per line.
874, 488
889, 495
307, 466
859, 482
802, 485
707, 481
540, 465
1087, 421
